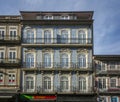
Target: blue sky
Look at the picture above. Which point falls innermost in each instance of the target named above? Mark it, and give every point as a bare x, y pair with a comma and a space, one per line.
106, 17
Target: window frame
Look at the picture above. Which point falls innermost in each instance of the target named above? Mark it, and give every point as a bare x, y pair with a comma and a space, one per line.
86, 35
32, 89
12, 83
2, 28
48, 17
65, 17
34, 56
13, 29
69, 81
116, 82
69, 59
2, 78
103, 87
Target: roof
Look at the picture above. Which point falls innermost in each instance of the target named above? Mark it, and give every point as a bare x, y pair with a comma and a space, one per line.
107, 57
31, 15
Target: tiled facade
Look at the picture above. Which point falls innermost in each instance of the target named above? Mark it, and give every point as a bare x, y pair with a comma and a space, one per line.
48, 56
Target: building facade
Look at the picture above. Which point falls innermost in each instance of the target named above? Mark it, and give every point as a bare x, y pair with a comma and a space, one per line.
107, 77
10, 57
57, 50
48, 57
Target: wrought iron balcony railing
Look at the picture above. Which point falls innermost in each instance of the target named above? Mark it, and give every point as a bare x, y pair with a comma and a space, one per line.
57, 40
8, 38
59, 89
9, 61
56, 65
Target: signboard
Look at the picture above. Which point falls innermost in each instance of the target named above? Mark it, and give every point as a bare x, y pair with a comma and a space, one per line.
38, 97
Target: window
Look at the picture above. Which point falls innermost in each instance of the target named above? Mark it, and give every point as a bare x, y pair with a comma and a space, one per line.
13, 34
64, 86
47, 83
82, 84
112, 65
1, 79
81, 37
47, 60
64, 36
29, 84
114, 99
113, 83
47, 36
1, 55
30, 60
65, 17
2, 33
12, 56
30, 36
11, 78
48, 17
102, 83
81, 61
64, 60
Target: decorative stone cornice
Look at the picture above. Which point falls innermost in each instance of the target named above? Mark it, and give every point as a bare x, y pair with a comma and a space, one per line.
30, 50
65, 50
47, 50
82, 51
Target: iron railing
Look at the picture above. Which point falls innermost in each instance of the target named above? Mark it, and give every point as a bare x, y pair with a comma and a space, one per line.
10, 38
57, 65
57, 40
59, 89
9, 61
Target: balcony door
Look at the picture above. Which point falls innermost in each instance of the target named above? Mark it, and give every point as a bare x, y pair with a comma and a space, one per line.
13, 34
64, 61
30, 60
47, 84
82, 84
47, 60
30, 36
47, 36
29, 84
81, 37
2, 34
1, 56
64, 36
82, 61
12, 56
64, 84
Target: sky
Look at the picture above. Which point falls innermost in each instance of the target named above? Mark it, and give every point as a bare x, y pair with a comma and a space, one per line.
106, 17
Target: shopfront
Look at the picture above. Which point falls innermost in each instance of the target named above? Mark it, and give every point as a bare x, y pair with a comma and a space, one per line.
37, 98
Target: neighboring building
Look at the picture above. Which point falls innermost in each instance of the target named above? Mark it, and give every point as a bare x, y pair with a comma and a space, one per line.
107, 77
10, 56
57, 50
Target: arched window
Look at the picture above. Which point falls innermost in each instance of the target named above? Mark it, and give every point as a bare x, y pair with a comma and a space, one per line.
47, 83
47, 60
47, 36
30, 36
81, 37
30, 60
64, 85
64, 60
64, 36
82, 84
81, 61
29, 83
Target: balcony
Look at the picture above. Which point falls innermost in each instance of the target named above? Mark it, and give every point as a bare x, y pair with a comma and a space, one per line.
7, 39
68, 66
54, 90
57, 42
110, 90
9, 62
